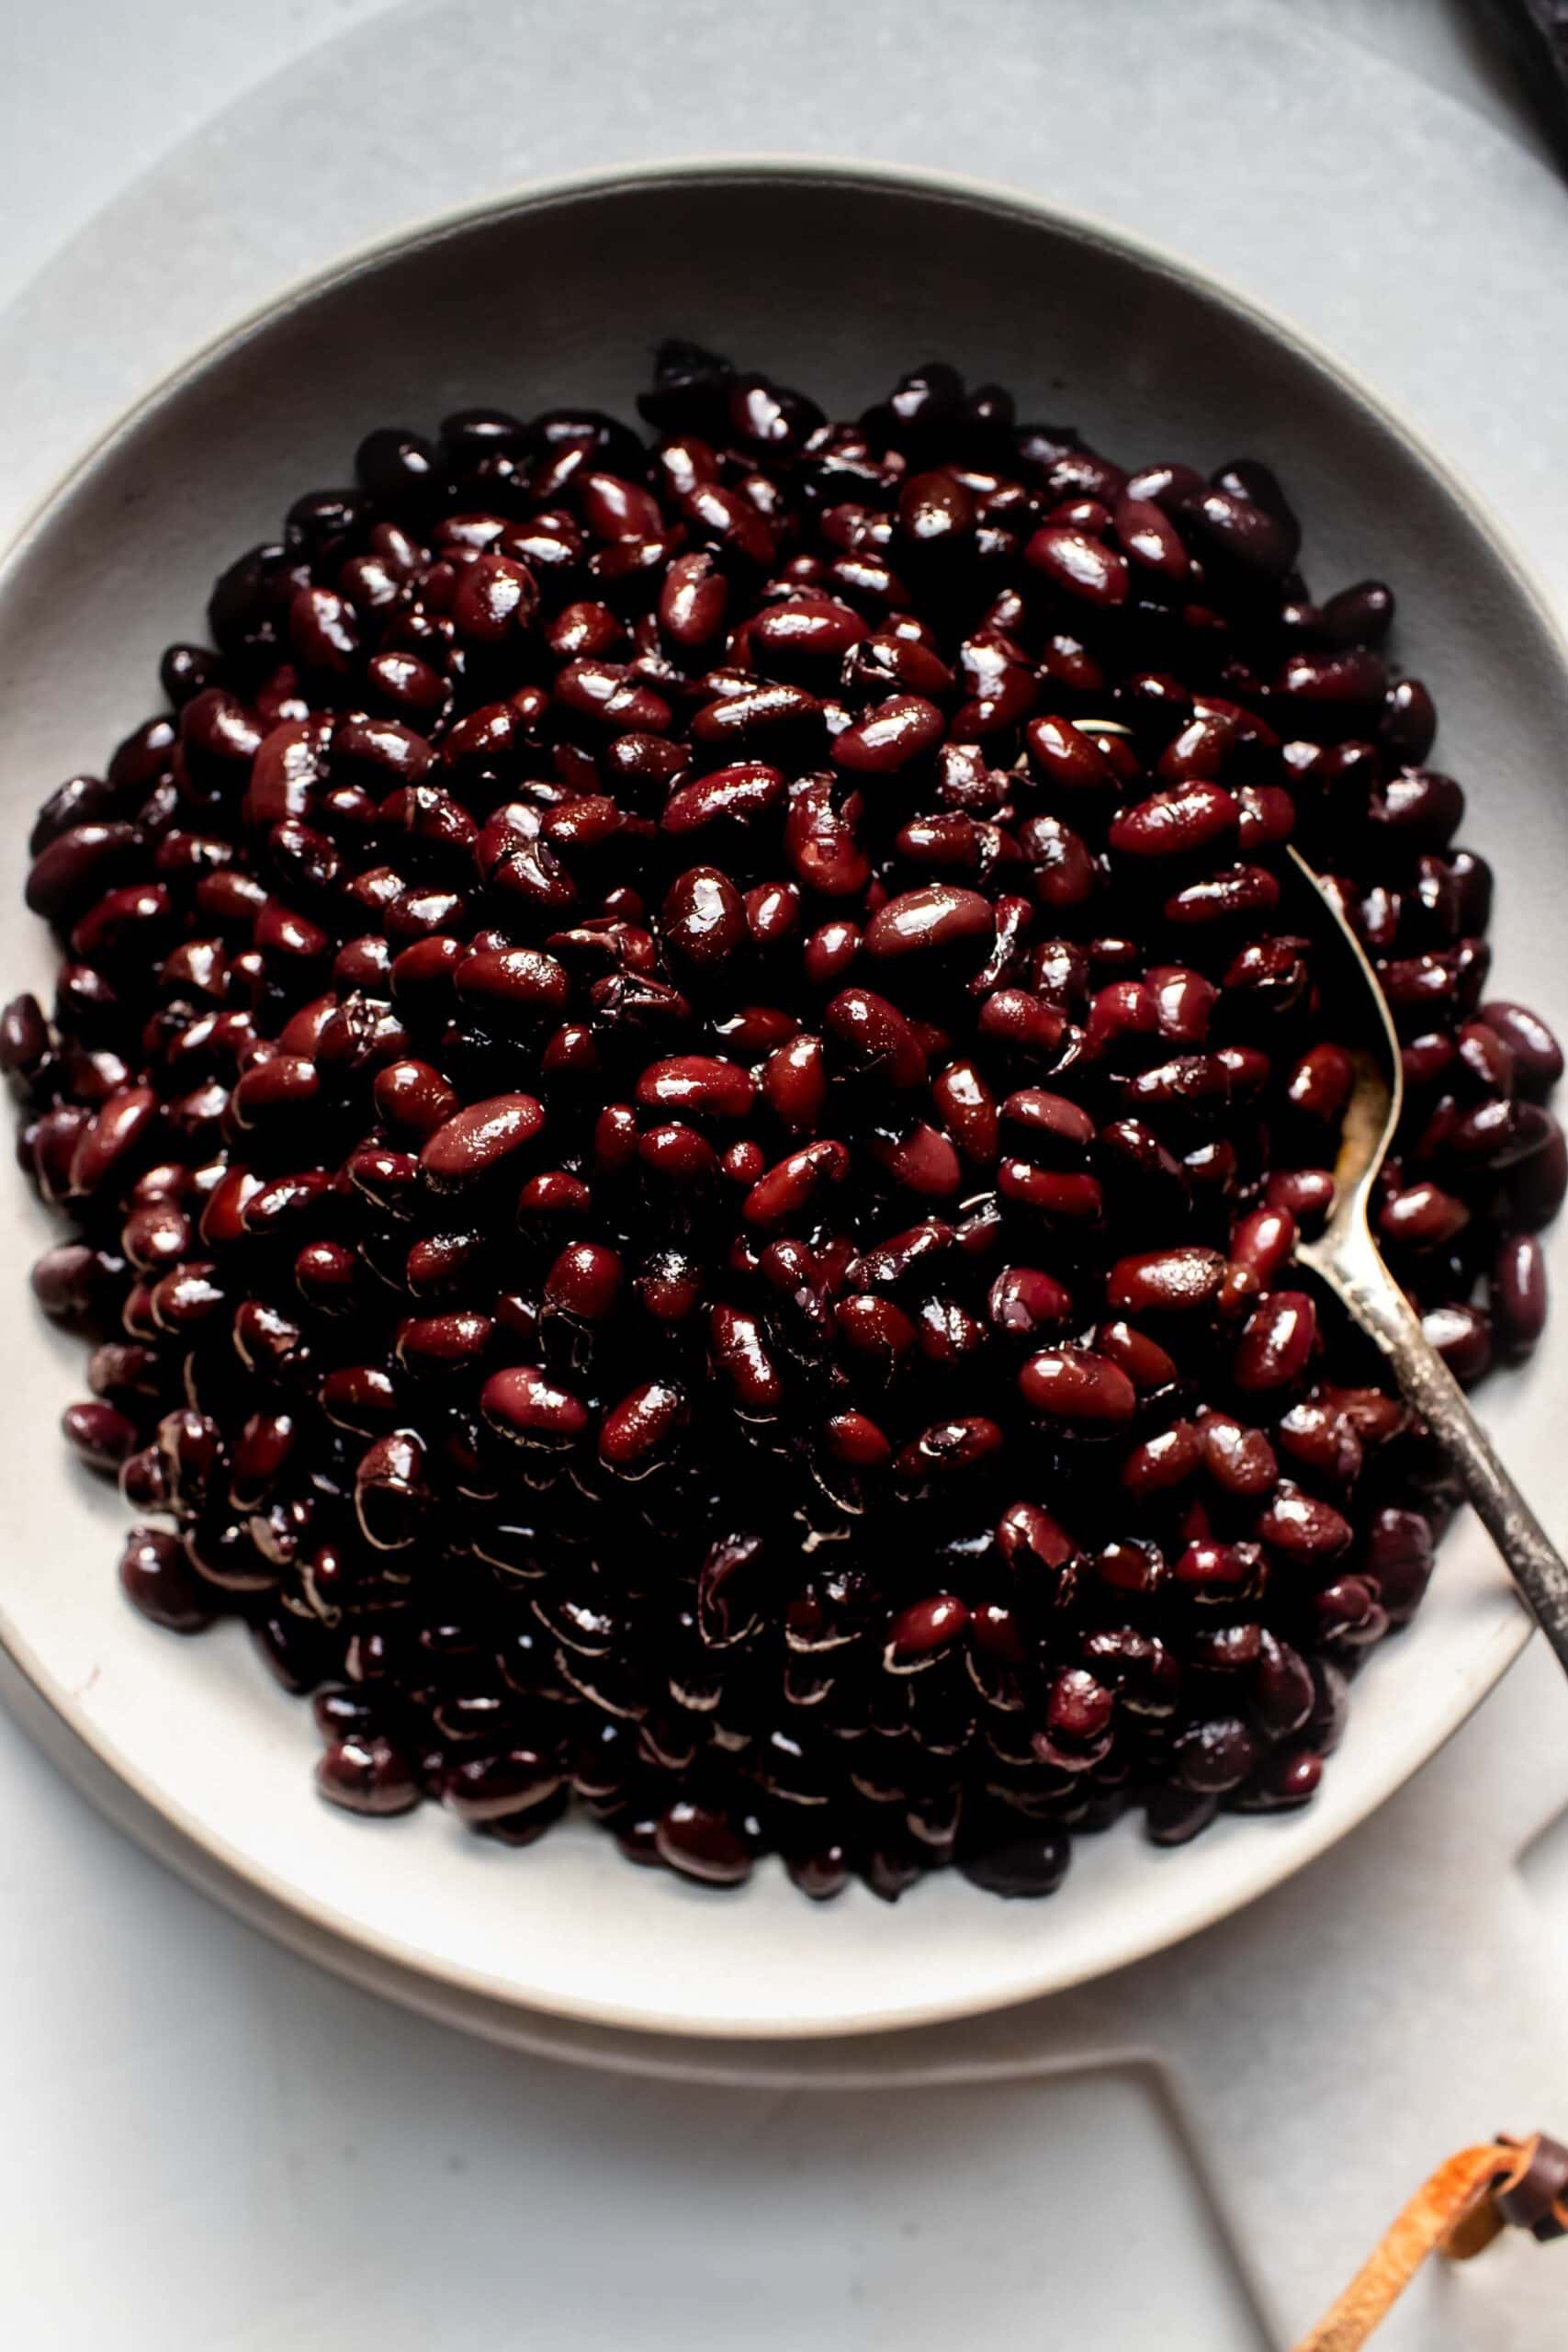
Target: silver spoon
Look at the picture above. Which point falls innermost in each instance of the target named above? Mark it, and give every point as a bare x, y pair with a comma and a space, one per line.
1346, 1257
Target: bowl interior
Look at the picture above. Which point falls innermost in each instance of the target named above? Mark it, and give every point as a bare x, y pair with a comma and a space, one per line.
837, 280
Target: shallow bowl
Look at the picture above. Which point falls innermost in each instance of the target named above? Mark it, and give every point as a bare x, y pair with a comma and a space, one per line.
837, 278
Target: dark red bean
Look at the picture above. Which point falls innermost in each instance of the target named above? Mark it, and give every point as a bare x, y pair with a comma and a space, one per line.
684, 1158
1189, 819
1023, 1859
101, 1433
948, 1446
1263, 1244
1078, 568
794, 1084
1216, 1756
795, 639
938, 916
156, 1574
286, 1086
1162, 1462
23, 1036
1075, 1386
737, 794
74, 868
1462, 1336
794, 1180
80, 800
968, 1109
496, 596
1516, 1292
1398, 1559
499, 1786
435, 1342
1064, 757
756, 716
876, 1037
391, 1493
903, 729
1408, 723
703, 918
326, 1274
524, 1404
741, 1353
773, 913
692, 601
390, 1179
1302, 1527
1051, 1127
703, 1845
1238, 1459
1419, 807
1172, 1281
125, 1371
1149, 539
611, 693
1315, 681
901, 1257
1256, 532
922, 1633
364, 1773
475, 1143
121, 1130
876, 1329
1537, 1056
1307, 1194
935, 508
1050, 1191
1319, 1086
1360, 616
1422, 1216
613, 509
1176, 1815
187, 1296
584, 1281
896, 656
854, 1438
1277, 1342
696, 1085
642, 1425
923, 1161
1236, 893
412, 1095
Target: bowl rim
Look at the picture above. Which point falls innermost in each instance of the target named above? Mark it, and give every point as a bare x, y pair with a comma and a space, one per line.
353, 1947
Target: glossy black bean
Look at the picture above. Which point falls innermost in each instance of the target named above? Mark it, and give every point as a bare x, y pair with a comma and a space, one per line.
483, 1187
156, 1574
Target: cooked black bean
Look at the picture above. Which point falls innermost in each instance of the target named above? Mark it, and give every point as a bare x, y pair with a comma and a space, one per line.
638, 1079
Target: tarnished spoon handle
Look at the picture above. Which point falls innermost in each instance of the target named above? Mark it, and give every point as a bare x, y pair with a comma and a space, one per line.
1350, 1264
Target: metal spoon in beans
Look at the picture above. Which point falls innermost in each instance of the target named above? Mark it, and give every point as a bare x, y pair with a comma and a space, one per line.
689, 1180
1346, 1257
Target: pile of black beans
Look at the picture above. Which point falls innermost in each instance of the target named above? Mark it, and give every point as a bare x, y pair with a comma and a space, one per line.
685, 1085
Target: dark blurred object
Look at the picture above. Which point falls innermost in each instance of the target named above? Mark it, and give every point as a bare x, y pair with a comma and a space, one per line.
1535, 33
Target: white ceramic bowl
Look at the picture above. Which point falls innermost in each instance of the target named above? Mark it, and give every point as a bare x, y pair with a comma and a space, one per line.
837, 278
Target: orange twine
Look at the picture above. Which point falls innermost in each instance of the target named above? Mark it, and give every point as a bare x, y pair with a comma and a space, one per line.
1458, 2211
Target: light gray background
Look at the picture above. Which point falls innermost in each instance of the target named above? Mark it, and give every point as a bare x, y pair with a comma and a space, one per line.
209, 2144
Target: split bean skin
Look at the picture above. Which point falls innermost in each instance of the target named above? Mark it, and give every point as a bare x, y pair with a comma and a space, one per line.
682, 1100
